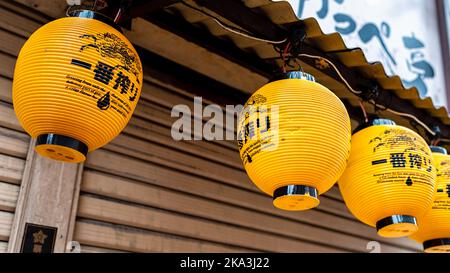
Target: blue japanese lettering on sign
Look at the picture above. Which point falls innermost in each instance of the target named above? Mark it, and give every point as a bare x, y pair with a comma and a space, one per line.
345, 24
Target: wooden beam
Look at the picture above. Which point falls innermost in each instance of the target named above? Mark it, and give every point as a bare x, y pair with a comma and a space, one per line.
49, 197
203, 38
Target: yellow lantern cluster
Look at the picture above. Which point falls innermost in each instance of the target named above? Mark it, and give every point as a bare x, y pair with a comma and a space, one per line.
434, 226
389, 181
76, 84
294, 140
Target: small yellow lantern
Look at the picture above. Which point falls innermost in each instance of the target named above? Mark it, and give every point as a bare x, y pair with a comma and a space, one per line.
76, 83
434, 226
294, 140
390, 178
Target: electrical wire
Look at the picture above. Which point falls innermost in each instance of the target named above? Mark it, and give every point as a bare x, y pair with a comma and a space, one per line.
234, 29
250, 36
366, 117
358, 92
118, 15
406, 115
94, 5
284, 54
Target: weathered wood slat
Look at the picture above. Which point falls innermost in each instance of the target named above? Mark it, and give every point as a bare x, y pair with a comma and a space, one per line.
10, 43
3, 247
93, 249
162, 155
204, 149
5, 89
8, 196
25, 21
162, 115
6, 219
13, 143
167, 98
7, 67
138, 240
11, 169
261, 219
128, 167
8, 118
157, 220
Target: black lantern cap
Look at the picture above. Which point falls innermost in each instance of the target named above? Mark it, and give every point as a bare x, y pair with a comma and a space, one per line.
296, 197
95, 15
374, 122
439, 150
65, 141
442, 244
395, 219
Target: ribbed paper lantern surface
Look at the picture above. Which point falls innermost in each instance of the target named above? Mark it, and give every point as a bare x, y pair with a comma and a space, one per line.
390, 178
294, 140
76, 83
434, 226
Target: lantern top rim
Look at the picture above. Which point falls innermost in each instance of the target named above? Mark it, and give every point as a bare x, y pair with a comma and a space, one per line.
89, 14
438, 150
374, 122
294, 75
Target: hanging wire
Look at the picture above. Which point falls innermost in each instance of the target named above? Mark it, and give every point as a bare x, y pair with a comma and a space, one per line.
118, 15
234, 29
284, 55
94, 5
358, 92
366, 117
406, 115
338, 72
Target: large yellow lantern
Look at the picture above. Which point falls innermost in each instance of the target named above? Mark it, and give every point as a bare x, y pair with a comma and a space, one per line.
390, 178
294, 140
76, 84
434, 226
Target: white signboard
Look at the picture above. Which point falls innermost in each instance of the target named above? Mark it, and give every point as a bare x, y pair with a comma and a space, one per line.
402, 34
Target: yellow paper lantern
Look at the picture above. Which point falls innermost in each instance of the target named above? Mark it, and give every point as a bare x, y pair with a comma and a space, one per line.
76, 84
390, 178
434, 226
294, 140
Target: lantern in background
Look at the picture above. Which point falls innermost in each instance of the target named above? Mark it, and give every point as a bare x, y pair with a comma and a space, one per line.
76, 83
294, 140
434, 226
390, 178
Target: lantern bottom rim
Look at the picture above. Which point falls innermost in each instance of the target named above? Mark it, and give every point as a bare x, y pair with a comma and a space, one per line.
61, 148
397, 226
295, 198
441, 245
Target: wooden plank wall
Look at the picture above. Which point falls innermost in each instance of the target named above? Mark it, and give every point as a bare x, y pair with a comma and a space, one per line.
145, 192
13, 141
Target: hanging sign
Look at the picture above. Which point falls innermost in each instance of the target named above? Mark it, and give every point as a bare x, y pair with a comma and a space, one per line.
385, 32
